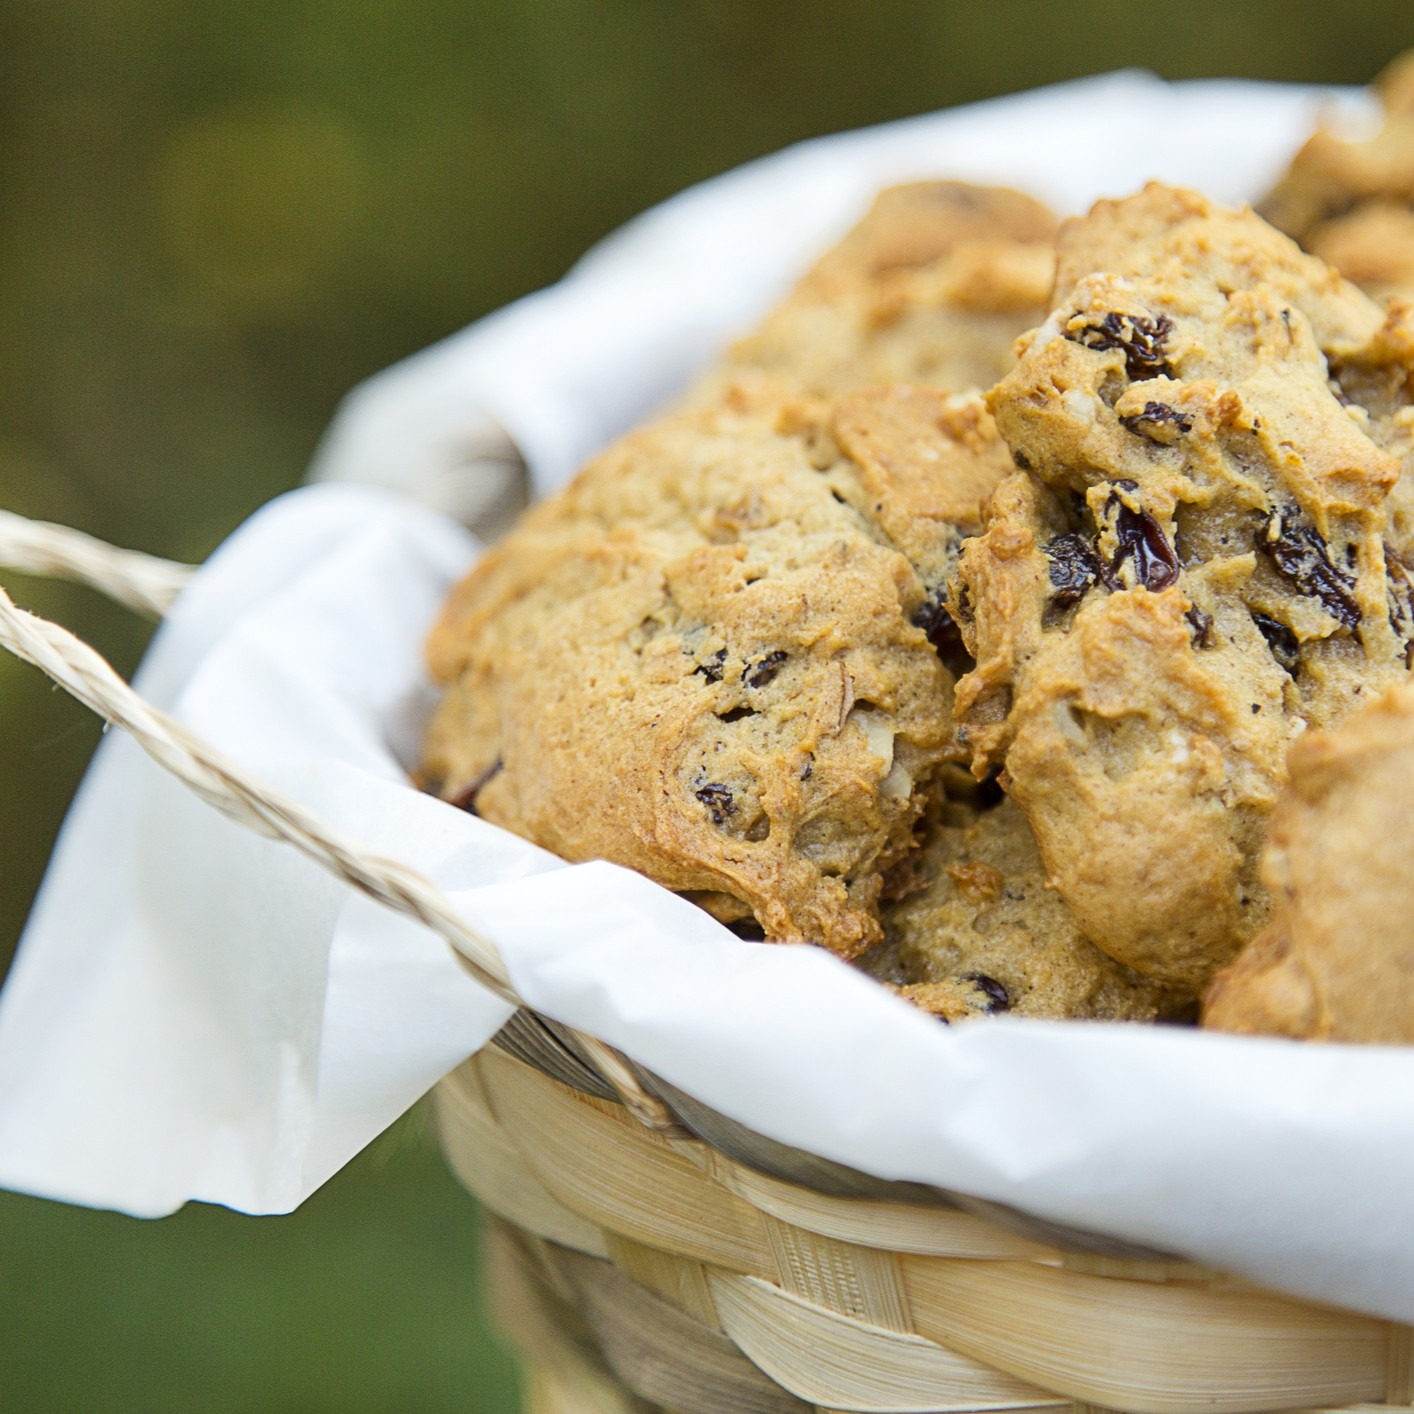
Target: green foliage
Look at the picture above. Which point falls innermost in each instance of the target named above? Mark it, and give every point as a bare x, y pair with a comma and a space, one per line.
363, 1302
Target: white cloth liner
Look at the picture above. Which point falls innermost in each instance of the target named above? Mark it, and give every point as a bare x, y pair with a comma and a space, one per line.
197, 1013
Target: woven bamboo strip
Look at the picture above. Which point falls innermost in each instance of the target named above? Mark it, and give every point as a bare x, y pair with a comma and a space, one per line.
825, 1357
597, 1161
680, 1281
490, 1167
869, 1222
1127, 1269
665, 1356
1105, 1333
862, 1283
1146, 1346
553, 1390
562, 1375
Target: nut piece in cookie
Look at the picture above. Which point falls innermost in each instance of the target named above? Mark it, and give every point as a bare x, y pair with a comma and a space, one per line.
1188, 570
1352, 202
983, 935
1336, 962
933, 286
718, 657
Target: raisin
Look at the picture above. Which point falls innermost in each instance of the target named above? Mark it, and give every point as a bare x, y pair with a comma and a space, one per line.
1303, 557
465, 798
1202, 625
1073, 568
1158, 415
765, 670
1142, 341
1142, 541
712, 668
998, 998
943, 633
718, 800
1285, 647
735, 714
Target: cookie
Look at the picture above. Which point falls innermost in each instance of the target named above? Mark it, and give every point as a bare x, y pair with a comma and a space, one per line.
1336, 962
1352, 202
919, 223
720, 656
979, 934
932, 287
1187, 571
1372, 246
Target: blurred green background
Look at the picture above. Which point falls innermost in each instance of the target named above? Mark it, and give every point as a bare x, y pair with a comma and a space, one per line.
215, 219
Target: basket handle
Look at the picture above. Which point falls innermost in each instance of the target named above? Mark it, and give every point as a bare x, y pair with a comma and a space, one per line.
150, 586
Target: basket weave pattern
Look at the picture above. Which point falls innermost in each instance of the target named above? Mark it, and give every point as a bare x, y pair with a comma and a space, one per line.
708, 1287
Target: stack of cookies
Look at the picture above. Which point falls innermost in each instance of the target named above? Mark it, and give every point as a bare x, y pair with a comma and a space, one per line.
1061, 673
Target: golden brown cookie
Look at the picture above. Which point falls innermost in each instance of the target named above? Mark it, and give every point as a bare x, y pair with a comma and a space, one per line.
1352, 202
1373, 246
1188, 570
932, 287
1336, 962
980, 934
914, 225
709, 659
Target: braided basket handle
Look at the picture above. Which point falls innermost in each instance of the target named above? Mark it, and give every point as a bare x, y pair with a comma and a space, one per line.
150, 586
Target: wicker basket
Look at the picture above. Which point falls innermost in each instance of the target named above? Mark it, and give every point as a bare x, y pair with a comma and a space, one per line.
639, 1271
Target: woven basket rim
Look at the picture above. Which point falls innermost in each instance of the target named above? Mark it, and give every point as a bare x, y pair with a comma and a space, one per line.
683, 1262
